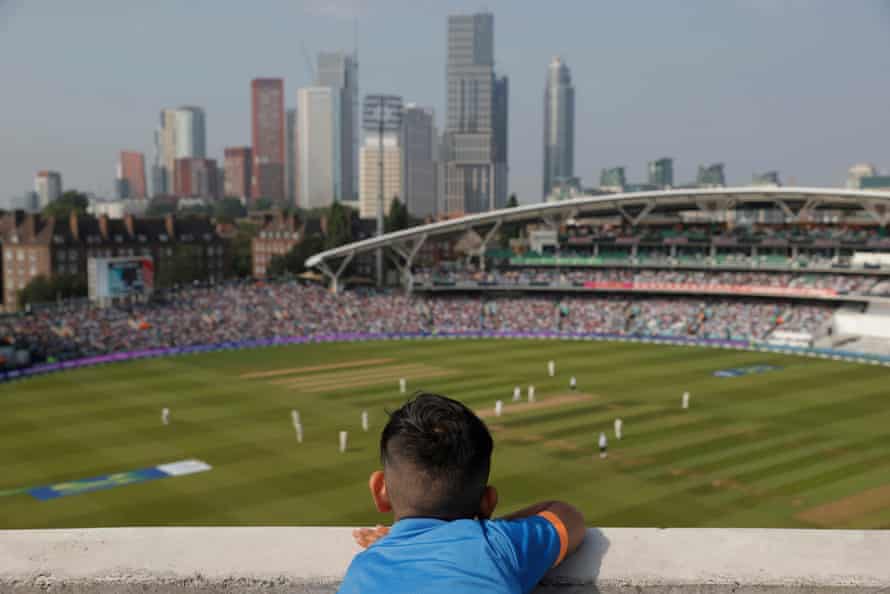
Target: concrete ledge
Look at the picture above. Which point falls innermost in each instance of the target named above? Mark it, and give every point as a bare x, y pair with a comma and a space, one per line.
614, 560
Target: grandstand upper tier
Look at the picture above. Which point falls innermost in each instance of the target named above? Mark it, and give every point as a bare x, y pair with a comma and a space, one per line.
762, 228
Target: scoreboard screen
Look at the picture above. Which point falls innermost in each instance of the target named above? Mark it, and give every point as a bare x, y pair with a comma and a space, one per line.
112, 278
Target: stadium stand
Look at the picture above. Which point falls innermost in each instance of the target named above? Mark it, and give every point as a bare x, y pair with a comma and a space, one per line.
252, 311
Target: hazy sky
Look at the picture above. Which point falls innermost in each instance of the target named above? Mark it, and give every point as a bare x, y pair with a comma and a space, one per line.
799, 86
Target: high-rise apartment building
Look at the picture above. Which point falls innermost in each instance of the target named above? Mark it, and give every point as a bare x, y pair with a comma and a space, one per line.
711, 176
166, 141
339, 71
857, 172
196, 178
191, 133
290, 162
181, 135
318, 148
475, 167
559, 126
132, 171
661, 172
268, 130
767, 178
48, 186
369, 174
419, 166
613, 179
237, 166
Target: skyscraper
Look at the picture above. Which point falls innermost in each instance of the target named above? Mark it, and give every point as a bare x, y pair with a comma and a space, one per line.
165, 139
196, 178
559, 125
318, 148
290, 162
182, 135
238, 162
369, 174
613, 179
191, 133
476, 121
661, 172
132, 170
268, 126
48, 187
711, 176
339, 71
419, 183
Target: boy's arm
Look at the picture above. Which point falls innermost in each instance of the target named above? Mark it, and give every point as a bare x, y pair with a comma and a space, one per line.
572, 519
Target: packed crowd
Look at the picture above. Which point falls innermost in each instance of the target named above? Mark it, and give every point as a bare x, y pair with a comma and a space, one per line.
842, 283
256, 311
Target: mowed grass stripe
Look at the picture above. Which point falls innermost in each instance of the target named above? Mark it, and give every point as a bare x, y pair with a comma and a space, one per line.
108, 420
358, 380
314, 368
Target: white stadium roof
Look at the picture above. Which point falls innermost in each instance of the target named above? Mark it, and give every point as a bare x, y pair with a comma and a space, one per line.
634, 207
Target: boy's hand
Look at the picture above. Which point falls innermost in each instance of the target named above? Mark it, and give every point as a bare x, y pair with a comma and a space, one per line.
365, 537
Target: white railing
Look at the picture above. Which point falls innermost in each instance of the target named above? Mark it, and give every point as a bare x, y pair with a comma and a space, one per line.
272, 560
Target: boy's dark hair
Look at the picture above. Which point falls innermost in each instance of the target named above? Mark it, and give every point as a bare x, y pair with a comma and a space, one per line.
436, 455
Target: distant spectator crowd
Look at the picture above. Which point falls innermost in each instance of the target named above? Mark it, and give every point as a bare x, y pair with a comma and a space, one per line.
251, 311
860, 284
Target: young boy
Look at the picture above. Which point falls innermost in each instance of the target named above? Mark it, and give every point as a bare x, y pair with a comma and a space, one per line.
436, 457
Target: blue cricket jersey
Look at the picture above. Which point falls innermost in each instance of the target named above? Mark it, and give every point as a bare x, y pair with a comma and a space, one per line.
422, 555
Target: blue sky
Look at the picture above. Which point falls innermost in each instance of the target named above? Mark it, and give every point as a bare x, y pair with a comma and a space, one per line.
802, 86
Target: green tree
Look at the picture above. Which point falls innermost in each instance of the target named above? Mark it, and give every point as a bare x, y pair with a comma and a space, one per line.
44, 290
160, 206
398, 217
241, 263
38, 290
70, 201
261, 203
294, 261
228, 209
510, 230
340, 223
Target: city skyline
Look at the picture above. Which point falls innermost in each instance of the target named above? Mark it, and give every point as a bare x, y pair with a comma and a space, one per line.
736, 87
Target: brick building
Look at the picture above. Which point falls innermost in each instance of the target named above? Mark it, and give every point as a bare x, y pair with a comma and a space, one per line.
132, 171
238, 168
195, 178
277, 235
267, 132
34, 245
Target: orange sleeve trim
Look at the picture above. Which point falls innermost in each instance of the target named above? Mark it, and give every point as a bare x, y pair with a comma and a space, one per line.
561, 530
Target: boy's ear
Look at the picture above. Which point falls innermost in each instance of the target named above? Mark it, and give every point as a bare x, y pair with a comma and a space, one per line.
377, 485
488, 503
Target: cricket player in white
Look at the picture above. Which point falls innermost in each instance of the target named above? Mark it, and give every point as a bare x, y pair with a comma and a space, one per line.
403, 385
551, 368
295, 417
604, 445
498, 408
517, 394
165, 416
685, 400
573, 383
531, 393
364, 420
618, 424
343, 437
299, 429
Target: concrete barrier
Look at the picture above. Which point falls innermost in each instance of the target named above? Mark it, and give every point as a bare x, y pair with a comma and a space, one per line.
310, 560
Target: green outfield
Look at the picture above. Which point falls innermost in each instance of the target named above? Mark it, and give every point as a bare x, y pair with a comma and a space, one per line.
805, 445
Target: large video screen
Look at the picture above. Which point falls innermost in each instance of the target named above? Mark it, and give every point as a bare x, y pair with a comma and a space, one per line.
120, 277
125, 278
